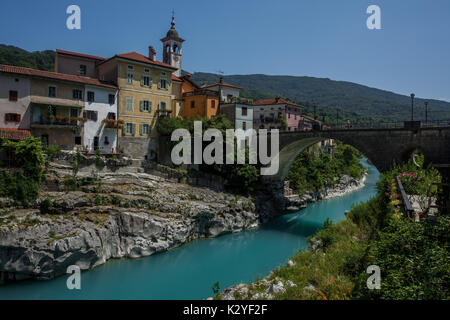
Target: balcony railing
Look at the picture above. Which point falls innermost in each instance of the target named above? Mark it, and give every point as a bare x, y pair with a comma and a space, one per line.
238, 100
113, 123
163, 112
201, 92
267, 120
60, 121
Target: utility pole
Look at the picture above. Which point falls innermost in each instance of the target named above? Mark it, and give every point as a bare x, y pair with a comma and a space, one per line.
412, 106
337, 116
426, 112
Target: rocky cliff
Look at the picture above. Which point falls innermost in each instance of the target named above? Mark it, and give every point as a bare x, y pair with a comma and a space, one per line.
346, 184
102, 215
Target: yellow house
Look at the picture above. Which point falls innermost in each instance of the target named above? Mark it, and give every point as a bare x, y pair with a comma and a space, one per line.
145, 94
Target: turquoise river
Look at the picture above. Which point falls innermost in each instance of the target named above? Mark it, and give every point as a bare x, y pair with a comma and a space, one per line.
188, 272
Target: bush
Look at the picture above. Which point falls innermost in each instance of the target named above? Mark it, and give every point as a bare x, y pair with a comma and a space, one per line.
52, 151
23, 180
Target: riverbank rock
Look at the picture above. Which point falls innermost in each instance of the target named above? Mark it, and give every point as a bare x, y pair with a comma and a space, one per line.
276, 288
86, 221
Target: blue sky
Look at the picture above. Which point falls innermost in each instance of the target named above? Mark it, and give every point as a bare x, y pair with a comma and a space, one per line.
319, 38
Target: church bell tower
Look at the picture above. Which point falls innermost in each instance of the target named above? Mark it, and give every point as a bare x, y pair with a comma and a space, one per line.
172, 48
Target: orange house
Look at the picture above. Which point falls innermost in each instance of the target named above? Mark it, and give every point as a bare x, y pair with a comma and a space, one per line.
201, 103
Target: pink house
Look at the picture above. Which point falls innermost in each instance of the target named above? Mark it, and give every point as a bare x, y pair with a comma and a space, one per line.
267, 114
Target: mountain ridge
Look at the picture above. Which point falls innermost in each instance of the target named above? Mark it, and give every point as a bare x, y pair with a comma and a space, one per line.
357, 102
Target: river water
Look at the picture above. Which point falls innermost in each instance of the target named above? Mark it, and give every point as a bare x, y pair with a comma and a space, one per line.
188, 272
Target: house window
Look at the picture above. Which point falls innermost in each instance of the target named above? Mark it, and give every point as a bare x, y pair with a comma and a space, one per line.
129, 103
91, 115
111, 116
130, 77
12, 117
146, 81
78, 140
213, 103
82, 69
145, 106
13, 95
130, 67
129, 129
244, 125
163, 74
146, 70
91, 96
289, 116
145, 129
73, 112
163, 84
162, 105
244, 111
112, 99
192, 104
52, 92
106, 141
77, 94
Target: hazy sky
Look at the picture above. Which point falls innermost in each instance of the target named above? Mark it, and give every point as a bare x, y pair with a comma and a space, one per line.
320, 38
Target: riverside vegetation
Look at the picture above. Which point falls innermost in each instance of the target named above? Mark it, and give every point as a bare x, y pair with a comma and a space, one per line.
60, 208
413, 256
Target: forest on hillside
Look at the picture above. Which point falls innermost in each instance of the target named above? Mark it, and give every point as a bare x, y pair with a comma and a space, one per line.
334, 101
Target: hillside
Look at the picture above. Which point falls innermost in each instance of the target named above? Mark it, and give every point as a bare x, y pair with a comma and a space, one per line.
43, 60
357, 102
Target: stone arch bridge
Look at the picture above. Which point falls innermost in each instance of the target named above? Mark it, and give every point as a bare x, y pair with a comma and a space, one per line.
383, 147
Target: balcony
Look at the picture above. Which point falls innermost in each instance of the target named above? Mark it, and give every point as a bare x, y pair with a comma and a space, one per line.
238, 100
267, 120
113, 123
58, 122
201, 92
163, 112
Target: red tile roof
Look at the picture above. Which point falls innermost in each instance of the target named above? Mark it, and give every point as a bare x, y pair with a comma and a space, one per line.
54, 75
14, 134
265, 102
175, 78
82, 55
223, 84
141, 58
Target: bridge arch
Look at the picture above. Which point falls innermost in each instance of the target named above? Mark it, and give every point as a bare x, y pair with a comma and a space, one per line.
383, 147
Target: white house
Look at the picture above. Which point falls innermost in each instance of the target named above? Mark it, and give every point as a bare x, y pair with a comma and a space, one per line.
240, 115
14, 98
100, 129
226, 91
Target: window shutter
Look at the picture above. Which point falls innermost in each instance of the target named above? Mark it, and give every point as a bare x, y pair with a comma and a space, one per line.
141, 129
84, 114
134, 128
141, 106
159, 84
142, 81
149, 106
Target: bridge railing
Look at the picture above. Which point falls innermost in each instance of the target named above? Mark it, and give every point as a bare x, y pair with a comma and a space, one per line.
407, 206
393, 125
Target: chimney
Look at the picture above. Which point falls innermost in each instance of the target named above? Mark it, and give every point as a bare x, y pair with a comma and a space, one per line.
221, 80
188, 75
151, 53
277, 99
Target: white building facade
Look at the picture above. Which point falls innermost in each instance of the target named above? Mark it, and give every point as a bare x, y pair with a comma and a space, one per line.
14, 101
100, 129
